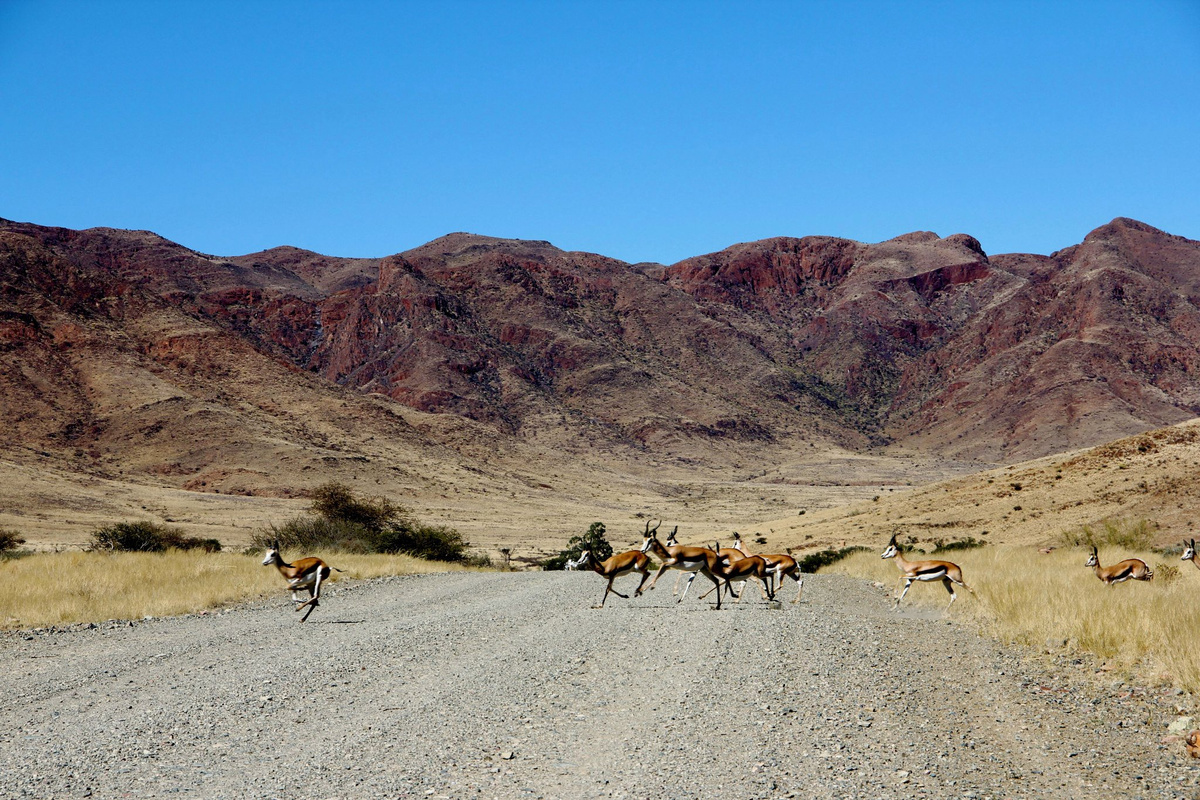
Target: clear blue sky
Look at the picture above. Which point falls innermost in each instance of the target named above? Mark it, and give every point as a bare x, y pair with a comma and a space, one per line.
647, 131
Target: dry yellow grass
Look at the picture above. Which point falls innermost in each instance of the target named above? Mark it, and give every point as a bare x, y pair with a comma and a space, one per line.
1148, 629
64, 588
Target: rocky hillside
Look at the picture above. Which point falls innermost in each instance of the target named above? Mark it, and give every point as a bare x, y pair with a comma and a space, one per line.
922, 341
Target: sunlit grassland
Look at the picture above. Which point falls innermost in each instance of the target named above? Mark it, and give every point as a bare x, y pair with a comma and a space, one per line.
1023, 596
63, 588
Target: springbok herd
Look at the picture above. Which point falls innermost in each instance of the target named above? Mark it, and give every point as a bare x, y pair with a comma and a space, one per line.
722, 565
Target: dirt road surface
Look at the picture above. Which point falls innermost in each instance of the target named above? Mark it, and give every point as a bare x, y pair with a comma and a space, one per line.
511, 686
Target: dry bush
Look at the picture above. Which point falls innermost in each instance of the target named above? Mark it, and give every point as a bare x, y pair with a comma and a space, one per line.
1166, 574
63, 588
144, 536
1130, 534
1029, 598
347, 523
9, 541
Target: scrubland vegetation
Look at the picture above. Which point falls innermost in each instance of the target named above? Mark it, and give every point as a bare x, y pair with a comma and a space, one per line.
1053, 601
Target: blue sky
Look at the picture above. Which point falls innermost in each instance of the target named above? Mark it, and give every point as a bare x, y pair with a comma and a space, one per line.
647, 131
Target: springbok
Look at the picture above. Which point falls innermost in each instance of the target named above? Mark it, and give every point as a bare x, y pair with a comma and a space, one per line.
1129, 569
614, 567
687, 559
306, 573
778, 565
948, 573
741, 568
729, 554
1189, 553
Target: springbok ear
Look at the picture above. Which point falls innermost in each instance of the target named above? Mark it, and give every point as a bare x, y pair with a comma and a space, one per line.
674, 530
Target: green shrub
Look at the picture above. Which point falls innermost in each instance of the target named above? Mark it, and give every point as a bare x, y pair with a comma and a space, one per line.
144, 536
823, 558
9, 541
346, 523
594, 540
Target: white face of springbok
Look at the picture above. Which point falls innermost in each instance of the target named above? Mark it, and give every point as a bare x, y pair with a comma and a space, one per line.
892, 551
584, 557
272, 557
1093, 559
1189, 551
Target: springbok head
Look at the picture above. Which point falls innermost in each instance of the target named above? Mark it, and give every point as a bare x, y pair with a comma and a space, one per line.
1189, 550
651, 535
1094, 558
892, 550
272, 556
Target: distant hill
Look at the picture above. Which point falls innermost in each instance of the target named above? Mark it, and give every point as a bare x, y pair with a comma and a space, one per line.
471, 359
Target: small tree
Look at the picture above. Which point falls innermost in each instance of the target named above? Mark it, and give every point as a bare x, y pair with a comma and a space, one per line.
593, 540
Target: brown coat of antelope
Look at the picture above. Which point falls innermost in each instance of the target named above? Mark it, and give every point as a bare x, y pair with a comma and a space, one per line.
1130, 569
303, 573
688, 559
778, 565
740, 568
614, 567
947, 572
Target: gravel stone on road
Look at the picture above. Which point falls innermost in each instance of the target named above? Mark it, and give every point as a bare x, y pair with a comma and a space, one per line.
509, 685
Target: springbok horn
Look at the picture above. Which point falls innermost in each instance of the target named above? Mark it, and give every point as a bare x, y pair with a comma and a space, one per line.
656, 526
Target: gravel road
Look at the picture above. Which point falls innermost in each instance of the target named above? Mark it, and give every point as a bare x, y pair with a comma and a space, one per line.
511, 686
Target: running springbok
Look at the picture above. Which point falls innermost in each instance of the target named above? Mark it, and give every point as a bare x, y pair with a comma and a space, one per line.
740, 568
778, 565
686, 559
613, 568
1189, 553
1129, 569
925, 571
307, 573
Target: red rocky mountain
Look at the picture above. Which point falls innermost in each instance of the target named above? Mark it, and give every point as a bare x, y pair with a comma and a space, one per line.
919, 340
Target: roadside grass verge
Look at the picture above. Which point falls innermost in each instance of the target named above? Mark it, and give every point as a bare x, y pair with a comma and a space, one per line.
64, 588
1022, 596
